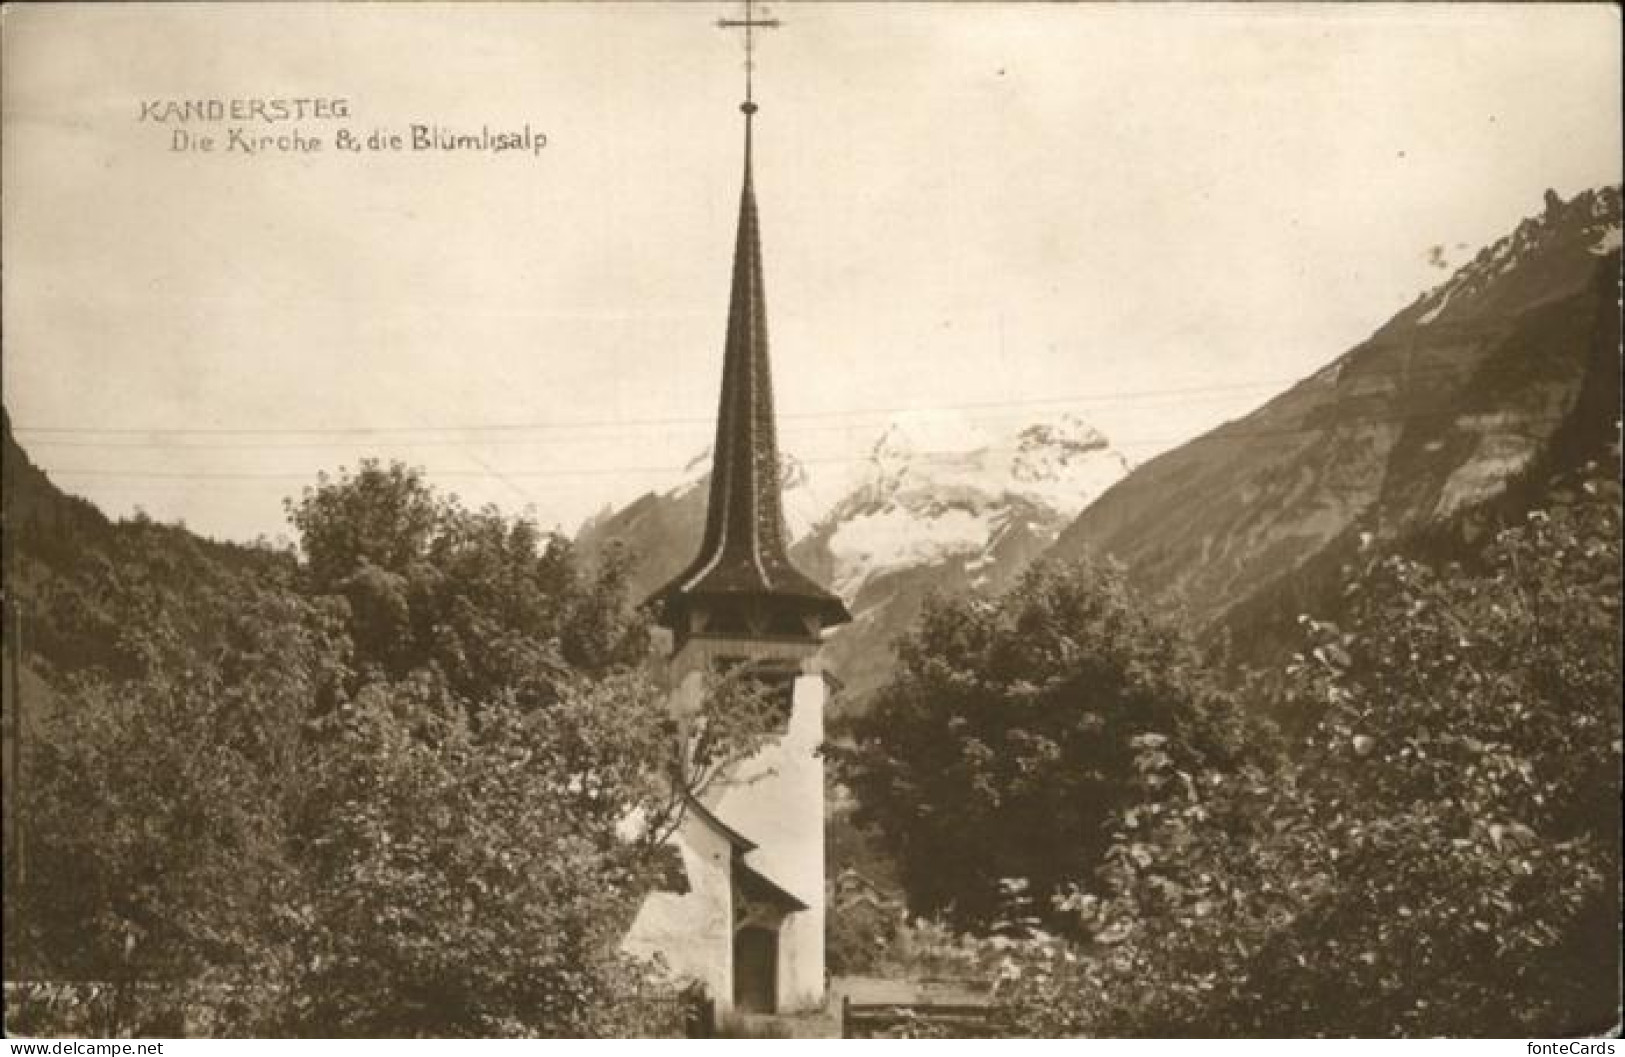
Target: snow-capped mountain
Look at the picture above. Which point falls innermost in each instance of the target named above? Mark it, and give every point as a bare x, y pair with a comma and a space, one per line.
943, 505
939, 488
934, 501
1431, 415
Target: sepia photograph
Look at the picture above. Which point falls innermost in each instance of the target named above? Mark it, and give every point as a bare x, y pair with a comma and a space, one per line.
811, 520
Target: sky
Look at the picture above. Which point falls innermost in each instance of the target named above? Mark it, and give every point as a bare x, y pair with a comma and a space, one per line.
1153, 217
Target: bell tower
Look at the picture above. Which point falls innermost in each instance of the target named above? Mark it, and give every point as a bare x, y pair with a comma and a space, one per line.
742, 583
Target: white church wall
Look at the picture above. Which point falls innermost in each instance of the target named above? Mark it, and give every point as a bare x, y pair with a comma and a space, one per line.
693, 931
776, 799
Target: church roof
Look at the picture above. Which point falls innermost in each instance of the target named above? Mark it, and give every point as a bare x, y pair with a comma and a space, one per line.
741, 843
743, 553
755, 884
757, 887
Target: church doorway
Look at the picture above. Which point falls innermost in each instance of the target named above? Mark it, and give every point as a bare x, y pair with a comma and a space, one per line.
756, 969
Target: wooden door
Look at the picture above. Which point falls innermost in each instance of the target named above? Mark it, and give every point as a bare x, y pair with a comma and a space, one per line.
756, 970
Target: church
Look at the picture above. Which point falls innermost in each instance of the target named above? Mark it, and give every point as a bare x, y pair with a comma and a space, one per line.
750, 925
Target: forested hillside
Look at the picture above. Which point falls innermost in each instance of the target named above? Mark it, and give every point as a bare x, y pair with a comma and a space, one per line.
373, 788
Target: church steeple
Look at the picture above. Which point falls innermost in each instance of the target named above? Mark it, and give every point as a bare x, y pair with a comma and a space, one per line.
742, 582
750, 925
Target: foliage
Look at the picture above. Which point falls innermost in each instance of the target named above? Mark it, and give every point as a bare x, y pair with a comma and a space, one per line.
866, 909
1441, 854
135, 598
388, 789
156, 811
380, 516
494, 604
1005, 740
469, 877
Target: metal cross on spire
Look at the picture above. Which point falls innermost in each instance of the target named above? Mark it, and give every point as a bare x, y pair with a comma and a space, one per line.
742, 581
750, 24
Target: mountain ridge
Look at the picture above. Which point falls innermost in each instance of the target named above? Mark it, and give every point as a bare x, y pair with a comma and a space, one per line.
1432, 413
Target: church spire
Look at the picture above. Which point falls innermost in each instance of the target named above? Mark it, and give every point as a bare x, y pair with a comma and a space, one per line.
742, 581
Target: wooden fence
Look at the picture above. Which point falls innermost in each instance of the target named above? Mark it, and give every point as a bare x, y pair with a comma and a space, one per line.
917, 1019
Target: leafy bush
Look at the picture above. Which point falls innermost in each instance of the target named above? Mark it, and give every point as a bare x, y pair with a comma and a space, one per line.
1440, 854
382, 791
1005, 740
467, 876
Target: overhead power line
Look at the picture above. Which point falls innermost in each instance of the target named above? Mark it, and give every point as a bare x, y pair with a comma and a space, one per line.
599, 422
136, 441
47, 434
1221, 433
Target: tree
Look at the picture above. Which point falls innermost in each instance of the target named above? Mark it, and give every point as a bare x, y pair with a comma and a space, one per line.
157, 817
489, 800
474, 879
393, 790
1006, 738
379, 516
494, 604
487, 810
1466, 770
1438, 855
